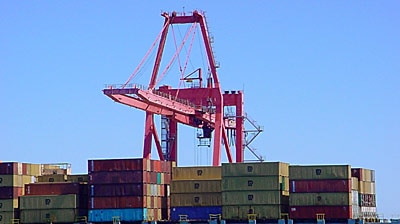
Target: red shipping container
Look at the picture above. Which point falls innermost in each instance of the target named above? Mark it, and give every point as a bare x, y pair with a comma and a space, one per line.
117, 190
310, 212
11, 168
319, 186
167, 178
11, 192
153, 178
56, 188
356, 172
117, 177
117, 165
117, 202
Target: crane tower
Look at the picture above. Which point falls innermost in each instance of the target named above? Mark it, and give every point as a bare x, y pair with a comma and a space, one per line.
200, 106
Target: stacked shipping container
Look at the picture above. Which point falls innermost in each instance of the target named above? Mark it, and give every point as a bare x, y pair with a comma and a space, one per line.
131, 189
255, 188
195, 192
13, 177
53, 202
321, 190
367, 193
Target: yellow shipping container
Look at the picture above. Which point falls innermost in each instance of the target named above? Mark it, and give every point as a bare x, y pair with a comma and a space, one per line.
316, 172
195, 186
8, 205
320, 199
366, 187
196, 173
34, 169
200, 199
354, 183
255, 169
15, 180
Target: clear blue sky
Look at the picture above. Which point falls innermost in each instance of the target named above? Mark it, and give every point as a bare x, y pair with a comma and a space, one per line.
322, 77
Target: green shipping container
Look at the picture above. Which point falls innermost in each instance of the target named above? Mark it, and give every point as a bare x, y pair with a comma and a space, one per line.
241, 212
7, 217
200, 199
52, 178
77, 178
8, 205
255, 169
254, 198
15, 180
320, 199
196, 173
320, 172
49, 215
196, 186
31, 202
255, 183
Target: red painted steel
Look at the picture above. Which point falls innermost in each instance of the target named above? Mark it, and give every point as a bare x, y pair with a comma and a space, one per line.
117, 190
117, 165
310, 212
192, 114
319, 186
56, 188
134, 176
11, 192
117, 202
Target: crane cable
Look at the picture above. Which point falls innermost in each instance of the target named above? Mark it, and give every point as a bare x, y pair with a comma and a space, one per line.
175, 55
146, 55
186, 62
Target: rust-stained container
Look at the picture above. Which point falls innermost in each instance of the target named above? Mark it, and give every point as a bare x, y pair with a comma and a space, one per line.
56, 168
14, 180
50, 215
326, 172
310, 212
118, 202
11, 168
196, 173
312, 186
255, 169
320, 199
8, 205
254, 183
10, 192
117, 190
240, 212
29, 202
52, 178
253, 198
120, 177
199, 199
119, 165
55, 188
195, 186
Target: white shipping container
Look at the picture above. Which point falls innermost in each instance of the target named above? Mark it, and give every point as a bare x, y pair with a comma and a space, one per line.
355, 198
356, 211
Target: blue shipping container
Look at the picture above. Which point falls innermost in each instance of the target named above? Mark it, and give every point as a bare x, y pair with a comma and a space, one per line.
195, 212
106, 215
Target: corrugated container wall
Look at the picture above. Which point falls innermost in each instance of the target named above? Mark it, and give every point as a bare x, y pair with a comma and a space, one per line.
327, 172
256, 188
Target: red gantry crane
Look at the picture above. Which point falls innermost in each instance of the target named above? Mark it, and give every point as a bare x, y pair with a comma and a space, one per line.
200, 106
